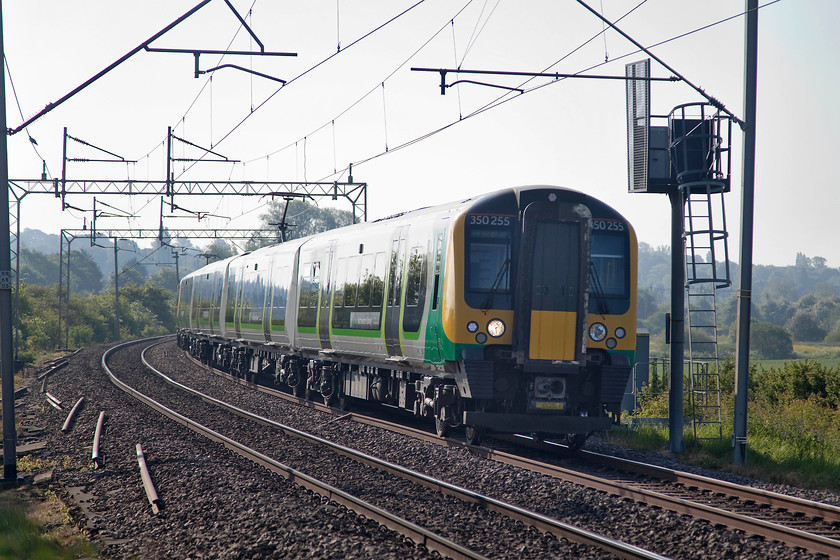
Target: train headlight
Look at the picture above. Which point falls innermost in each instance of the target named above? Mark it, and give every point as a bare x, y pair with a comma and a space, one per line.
620, 332
472, 326
496, 328
597, 332
611, 343
481, 338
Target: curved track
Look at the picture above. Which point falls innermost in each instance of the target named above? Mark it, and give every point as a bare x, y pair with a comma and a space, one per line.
427, 538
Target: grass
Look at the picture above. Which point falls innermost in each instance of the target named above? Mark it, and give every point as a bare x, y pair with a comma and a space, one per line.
35, 526
793, 431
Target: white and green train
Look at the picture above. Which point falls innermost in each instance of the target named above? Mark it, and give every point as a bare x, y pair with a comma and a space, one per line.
510, 312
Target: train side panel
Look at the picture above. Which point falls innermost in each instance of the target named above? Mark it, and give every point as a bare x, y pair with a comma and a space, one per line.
280, 313
357, 313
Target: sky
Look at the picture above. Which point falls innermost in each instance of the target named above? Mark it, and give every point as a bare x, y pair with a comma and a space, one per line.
351, 97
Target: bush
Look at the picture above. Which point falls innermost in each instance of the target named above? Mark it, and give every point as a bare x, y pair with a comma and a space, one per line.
81, 335
147, 310
799, 380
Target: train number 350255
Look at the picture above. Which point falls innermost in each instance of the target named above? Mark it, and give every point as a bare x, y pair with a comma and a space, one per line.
489, 220
607, 225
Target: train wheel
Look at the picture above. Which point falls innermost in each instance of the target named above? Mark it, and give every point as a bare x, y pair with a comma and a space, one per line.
298, 390
575, 441
442, 428
474, 435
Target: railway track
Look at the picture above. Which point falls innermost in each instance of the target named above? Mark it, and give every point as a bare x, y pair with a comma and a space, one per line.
794, 521
402, 526
610, 547
539, 466
798, 523
215, 504
207, 508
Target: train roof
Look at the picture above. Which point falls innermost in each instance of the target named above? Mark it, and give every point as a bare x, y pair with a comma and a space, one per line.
494, 201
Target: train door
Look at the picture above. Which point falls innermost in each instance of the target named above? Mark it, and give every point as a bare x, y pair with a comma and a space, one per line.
217, 283
393, 298
551, 309
432, 342
326, 297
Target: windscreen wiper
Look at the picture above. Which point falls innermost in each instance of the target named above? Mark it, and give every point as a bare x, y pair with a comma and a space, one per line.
595, 282
499, 275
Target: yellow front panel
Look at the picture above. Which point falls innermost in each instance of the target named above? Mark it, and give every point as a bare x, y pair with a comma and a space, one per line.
553, 335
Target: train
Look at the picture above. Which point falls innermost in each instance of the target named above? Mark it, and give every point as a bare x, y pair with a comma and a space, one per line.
511, 312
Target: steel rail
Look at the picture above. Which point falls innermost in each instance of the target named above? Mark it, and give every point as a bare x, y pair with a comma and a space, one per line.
766, 529
406, 528
810, 508
95, 456
146, 477
537, 520
750, 525
54, 402
351, 416
69, 420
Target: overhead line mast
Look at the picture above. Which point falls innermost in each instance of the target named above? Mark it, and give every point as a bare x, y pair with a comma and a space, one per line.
145, 46
7, 324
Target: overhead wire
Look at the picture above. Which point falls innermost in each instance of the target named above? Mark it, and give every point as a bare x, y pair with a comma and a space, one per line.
206, 81
385, 116
604, 33
474, 37
502, 99
455, 53
506, 97
32, 141
126, 268
371, 91
491, 105
314, 67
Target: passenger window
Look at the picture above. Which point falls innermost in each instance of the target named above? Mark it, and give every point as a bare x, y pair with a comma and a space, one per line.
415, 278
377, 291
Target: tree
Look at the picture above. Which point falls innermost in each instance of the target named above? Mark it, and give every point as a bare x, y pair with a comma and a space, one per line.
780, 287
38, 268
833, 336
646, 303
804, 326
129, 274
165, 277
158, 301
776, 312
216, 251
302, 219
802, 261
770, 341
85, 275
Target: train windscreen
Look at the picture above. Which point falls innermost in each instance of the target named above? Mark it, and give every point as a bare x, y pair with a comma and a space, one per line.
488, 274
609, 274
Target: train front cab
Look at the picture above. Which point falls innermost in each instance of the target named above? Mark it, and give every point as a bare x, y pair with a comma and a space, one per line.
543, 278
